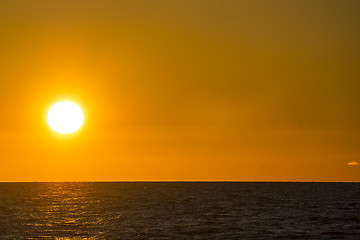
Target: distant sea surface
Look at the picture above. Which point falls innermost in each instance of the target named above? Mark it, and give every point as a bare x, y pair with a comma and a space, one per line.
179, 210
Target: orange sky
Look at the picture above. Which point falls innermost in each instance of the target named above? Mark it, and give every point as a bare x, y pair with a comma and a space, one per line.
181, 90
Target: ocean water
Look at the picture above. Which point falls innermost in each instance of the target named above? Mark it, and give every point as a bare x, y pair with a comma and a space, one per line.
179, 210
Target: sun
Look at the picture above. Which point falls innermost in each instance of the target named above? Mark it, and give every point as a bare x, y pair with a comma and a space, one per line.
65, 117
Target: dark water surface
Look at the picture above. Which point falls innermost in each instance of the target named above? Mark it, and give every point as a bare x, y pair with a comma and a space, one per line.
179, 210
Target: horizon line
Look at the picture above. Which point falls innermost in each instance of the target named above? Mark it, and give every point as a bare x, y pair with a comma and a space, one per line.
179, 181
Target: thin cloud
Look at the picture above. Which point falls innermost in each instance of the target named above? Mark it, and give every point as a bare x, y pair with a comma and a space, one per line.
353, 164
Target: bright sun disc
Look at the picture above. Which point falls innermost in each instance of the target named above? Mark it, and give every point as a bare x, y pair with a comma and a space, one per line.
65, 117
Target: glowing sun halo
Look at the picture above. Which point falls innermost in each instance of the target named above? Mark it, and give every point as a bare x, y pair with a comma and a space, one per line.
65, 117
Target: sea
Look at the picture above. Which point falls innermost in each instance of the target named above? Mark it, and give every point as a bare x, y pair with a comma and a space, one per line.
179, 210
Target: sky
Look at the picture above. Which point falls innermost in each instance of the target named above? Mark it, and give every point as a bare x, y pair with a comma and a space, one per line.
206, 90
